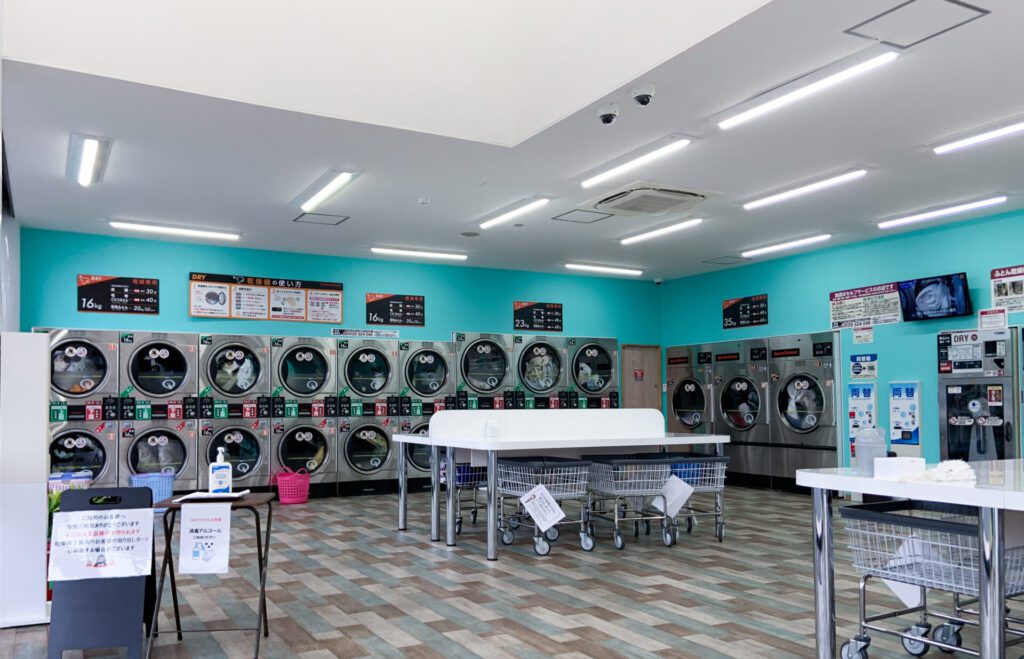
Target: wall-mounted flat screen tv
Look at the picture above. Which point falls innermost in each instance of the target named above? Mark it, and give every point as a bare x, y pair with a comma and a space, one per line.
945, 296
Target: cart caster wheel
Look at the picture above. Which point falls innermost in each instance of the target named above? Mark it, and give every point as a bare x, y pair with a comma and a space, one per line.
458, 526
552, 534
513, 523
675, 535
620, 542
847, 653
647, 527
690, 524
915, 647
720, 532
666, 536
541, 546
586, 542
949, 635
472, 516
590, 529
636, 529
507, 537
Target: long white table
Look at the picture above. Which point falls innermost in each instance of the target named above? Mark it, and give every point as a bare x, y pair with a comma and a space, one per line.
532, 431
999, 487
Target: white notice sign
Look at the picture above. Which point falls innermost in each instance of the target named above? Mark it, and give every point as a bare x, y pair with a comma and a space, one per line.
1008, 288
542, 507
98, 544
861, 307
676, 493
862, 335
205, 538
990, 319
288, 304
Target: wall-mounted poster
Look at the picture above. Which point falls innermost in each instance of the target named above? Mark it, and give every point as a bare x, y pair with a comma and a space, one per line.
391, 309
264, 298
863, 307
102, 294
745, 311
1008, 288
537, 316
864, 367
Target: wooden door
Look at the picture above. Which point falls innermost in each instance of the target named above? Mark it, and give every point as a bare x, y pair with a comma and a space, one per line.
640, 366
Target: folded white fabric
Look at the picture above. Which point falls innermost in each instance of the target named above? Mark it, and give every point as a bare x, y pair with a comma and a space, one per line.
947, 471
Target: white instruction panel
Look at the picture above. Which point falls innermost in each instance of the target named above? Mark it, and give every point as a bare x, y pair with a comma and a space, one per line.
99, 544
264, 298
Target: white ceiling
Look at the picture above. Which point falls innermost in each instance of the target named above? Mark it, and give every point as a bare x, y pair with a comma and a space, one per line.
204, 162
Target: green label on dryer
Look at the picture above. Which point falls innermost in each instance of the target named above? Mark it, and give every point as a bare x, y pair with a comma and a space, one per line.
58, 412
357, 407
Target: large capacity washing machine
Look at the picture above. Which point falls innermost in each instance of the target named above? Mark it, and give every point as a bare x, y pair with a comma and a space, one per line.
594, 371
690, 390
486, 371
247, 444
367, 409
802, 373
541, 364
979, 385
741, 388
428, 385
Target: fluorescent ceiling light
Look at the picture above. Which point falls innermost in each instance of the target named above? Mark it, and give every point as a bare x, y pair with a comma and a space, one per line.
174, 231
515, 212
672, 228
604, 269
90, 149
807, 90
980, 138
671, 147
87, 159
416, 253
793, 244
333, 186
941, 212
805, 189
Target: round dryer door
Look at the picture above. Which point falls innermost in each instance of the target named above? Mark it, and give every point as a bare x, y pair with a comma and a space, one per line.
304, 447
242, 448
77, 368
592, 368
426, 373
689, 403
741, 403
367, 449
484, 366
158, 368
78, 451
157, 451
419, 454
303, 370
234, 369
367, 371
540, 367
801, 403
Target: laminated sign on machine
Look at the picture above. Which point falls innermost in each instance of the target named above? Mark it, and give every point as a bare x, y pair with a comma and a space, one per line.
264, 298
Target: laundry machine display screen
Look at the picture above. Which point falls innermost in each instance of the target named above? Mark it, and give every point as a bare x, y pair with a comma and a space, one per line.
367, 371
234, 370
159, 369
367, 449
688, 403
426, 373
303, 371
77, 451
303, 448
801, 403
242, 448
419, 454
592, 368
740, 403
539, 367
157, 452
484, 365
77, 368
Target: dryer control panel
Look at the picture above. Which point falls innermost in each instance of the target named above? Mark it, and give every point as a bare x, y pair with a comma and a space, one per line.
985, 352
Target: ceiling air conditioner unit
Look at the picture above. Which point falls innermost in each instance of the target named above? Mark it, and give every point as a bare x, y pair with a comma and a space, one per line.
646, 198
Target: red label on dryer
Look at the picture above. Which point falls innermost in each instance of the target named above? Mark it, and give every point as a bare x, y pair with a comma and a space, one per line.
380, 407
553, 403
606, 403
439, 404
499, 403
317, 408
175, 410
249, 409
93, 412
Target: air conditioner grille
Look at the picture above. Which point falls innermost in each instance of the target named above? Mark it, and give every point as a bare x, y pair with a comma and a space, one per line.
646, 198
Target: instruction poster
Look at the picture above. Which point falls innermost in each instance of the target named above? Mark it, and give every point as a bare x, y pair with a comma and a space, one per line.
862, 406
264, 298
98, 544
205, 538
745, 311
864, 367
861, 307
1008, 288
537, 316
391, 309
904, 413
102, 294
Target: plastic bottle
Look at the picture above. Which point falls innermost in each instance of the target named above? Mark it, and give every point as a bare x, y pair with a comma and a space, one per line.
870, 445
220, 474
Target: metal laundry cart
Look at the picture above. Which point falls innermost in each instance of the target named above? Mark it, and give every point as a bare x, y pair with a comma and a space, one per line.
631, 483
706, 475
467, 479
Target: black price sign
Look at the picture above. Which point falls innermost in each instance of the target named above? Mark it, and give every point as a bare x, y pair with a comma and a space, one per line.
101, 294
537, 316
745, 311
388, 309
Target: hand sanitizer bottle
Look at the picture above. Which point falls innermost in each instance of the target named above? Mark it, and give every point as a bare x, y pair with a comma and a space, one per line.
220, 474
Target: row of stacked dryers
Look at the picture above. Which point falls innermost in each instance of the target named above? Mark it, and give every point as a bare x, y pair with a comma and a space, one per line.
126, 403
776, 398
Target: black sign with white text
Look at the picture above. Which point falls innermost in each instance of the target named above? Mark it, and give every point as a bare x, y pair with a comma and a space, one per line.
537, 316
388, 309
745, 311
101, 294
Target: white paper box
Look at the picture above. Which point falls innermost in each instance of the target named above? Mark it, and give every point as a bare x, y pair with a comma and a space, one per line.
894, 469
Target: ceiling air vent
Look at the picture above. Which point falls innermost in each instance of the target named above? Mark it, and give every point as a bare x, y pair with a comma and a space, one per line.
646, 198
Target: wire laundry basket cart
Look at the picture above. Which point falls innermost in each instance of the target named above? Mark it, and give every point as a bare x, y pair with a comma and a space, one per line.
930, 545
565, 478
467, 478
630, 482
706, 475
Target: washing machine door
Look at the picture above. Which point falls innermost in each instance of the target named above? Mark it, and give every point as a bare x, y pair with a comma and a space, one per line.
303, 370
689, 403
740, 403
158, 368
540, 367
801, 403
426, 372
419, 454
367, 449
484, 366
592, 368
77, 368
234, 370
243, 450
367, 371
304, 447
77, 450
157, 451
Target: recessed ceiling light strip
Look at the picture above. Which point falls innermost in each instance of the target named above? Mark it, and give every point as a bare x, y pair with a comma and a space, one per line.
604, 269
805, 189
941, 212
87, 165
515, 212
173, 231
672, 228
333, 186
419, 254
780, 247
661, 152
980, 138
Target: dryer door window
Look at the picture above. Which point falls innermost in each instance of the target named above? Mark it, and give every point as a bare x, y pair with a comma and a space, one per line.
242, 448
426, 372
158, 368
977, 428
484, 366
419, 454
592, 368
234, 370
540, 367
367, 449
367, 371
801, 403
77, 368
688, 403
157, 452
78, 451
741, 403
304, 447
303, 370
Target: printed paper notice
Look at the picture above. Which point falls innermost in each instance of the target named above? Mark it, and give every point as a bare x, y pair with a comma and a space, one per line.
205, 538
676, 492
287, 304
862, 335
863, 307
207, 299
863, 367
543, 508
1008, 288
249, 302
992, 319
97, 544
323, 306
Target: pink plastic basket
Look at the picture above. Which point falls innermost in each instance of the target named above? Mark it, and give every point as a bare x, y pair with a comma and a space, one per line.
292, 486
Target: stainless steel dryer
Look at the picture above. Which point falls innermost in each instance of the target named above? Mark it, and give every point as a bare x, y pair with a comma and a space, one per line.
234, 376
85, 445
306, 443
366, 454
83, 375
741, 387
486, 371
428, 385
804, 403
594, 371
304, 377
160, 446
369, 384
690, 391
247, 442
159, 376
541, 364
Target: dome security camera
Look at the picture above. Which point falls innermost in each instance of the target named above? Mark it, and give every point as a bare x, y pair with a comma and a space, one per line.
608, 113
643, 95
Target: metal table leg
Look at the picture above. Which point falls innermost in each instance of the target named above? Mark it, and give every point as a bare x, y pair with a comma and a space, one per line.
824, 576
435, 493
403, 488
451, 491
991, 587
492, 505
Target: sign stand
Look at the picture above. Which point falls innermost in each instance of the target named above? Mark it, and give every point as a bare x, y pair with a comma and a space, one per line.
101, 613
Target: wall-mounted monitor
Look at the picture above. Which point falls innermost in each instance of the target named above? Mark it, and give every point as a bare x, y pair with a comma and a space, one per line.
945, 296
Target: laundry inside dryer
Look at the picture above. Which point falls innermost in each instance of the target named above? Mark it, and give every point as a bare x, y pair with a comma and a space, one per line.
158, 368
157, 452
77, 368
